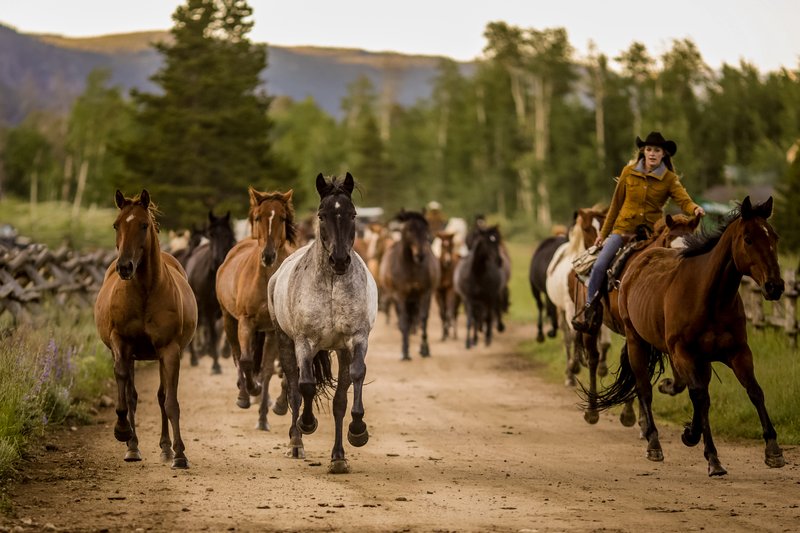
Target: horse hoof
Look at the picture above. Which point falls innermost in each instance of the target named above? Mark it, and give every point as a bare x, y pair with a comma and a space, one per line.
627, 419
243, 402
775, 461
715, 468
254, 390
655, 455
166, 456
405, 358
123, 434
361, 439
280, 408
424, 351
307, 430
132, 456
591, 416
338, 466
193, 361
552, 333
262, 425
602, 369
688, 439
570, 381
501, 327
180, 463
540, 337
296, 452
216, 370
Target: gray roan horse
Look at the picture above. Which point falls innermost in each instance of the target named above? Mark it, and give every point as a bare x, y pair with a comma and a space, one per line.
323, 298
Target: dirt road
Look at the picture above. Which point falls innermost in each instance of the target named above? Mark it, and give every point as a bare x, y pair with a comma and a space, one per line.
462, 441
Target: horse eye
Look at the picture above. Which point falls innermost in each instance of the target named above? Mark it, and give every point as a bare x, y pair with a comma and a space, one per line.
748, 240
115, 226
258, 218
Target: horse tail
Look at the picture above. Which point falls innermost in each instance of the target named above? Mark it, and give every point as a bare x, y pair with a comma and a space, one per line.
323, 375
624, 387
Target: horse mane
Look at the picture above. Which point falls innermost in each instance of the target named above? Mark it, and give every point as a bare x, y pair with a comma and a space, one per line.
575, 241
405, 216
704, 240
291, 229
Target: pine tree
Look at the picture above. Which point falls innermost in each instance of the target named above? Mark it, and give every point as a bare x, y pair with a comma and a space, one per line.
205, 137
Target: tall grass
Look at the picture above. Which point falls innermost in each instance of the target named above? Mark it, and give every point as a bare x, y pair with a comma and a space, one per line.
51, 370
732, 415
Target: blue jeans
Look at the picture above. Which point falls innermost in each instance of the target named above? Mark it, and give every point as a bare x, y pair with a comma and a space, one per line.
611, 246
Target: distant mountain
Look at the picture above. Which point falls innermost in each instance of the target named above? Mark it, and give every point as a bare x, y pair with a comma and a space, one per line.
49, 71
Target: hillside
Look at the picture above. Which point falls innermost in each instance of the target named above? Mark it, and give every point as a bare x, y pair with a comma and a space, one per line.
49, 71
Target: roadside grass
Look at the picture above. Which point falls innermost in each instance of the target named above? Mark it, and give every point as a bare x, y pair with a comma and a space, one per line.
51, 372
732, 415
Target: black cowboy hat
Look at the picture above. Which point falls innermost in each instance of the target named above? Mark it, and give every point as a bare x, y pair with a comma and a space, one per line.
654, 138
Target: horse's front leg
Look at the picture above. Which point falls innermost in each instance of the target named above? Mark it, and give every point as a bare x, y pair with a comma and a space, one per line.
742, 365
638, 355
425, 307
338, 462
247, 386
307, 384
132, 454
270, 353
164, 443
404, 322
123, 373
214, 348
288, 359
441, 304
170, 366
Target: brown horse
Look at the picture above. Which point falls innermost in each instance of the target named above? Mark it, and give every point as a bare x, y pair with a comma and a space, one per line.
686, 304
668, 232
242, 293
409, 274
145, 310
447, 298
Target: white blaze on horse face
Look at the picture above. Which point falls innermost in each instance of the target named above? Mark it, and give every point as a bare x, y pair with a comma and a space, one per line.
766, 232
337, 205
130, 217
677, 243
269, 228
596, 225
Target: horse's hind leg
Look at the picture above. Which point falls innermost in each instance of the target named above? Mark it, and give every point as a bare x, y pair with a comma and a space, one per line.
403, 320
267, 369
307, 384
552, 312
540, 307
357, 433
742, 365
338, 462
604, 346
214, 345
639, 353
286, 353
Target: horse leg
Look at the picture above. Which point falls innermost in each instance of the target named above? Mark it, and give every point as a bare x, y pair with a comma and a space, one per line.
493, 308
164, 443
552, 312
403, 321
454, 301
307, 384
589, 342
270, 351
441, 304
638, 355
132, 454
539, 306
170, 366
247, 386
338, 462
674, 385
571, 348
214, 344
123, 367
742, 365
193, 358
286, 353
281, 405
424, 310
605, 345
628, 416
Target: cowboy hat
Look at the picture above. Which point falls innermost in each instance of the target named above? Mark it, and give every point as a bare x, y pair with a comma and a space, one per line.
654, 138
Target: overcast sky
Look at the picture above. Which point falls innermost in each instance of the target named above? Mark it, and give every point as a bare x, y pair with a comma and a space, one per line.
763, 32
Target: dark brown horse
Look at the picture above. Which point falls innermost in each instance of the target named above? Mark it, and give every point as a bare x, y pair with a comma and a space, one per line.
447, 298
145, 310
201, 269
242, 294
409, 274
669, 232
537, 276
686, 304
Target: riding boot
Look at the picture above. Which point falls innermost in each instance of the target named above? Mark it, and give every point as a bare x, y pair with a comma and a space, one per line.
585, 319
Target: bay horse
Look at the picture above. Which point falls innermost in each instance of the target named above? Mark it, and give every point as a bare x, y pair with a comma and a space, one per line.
686, 304
323, 298
201, 269
194, 239
242, 294
668, 232
585, 230
145, 310
447, 299
537, 277
409, 274
480, 280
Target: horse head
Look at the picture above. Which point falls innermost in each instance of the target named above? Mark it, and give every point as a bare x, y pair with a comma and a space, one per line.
755, 248
220, 236
669, 232
415, 235
487, 244
136, 230
590, 222
337, 220
447, 254
272, 219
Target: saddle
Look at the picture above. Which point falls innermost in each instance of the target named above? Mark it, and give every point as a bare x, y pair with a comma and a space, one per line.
635, 243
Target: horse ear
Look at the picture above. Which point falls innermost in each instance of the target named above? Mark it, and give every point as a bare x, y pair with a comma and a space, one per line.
349, 183
765, 209
144, 198
255, 196
211, 217
288, 196
746, 208
228, 216
119, 199
322, 185
669, 220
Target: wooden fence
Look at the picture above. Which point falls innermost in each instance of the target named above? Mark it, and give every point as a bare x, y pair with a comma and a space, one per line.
781, 314
32, 273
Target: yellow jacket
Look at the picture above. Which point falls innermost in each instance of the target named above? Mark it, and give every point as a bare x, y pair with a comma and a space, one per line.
640, 197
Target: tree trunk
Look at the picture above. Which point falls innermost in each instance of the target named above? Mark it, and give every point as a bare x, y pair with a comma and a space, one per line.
82, 173
66, 185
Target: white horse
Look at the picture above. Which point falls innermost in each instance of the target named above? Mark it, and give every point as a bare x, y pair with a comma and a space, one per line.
323, 298
585, 230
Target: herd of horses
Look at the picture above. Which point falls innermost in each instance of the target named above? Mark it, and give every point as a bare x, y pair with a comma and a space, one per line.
287, 305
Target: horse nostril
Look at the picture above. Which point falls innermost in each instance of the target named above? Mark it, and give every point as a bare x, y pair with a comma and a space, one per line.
347, 260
